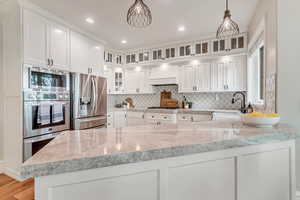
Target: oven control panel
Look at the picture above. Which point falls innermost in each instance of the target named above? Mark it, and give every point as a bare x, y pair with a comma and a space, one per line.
46, 96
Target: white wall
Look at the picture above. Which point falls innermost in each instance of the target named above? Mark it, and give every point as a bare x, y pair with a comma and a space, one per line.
1, 94
289, 67
282, 49
265, 18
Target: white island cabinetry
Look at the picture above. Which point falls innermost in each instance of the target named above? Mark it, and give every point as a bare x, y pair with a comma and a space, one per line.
263, 172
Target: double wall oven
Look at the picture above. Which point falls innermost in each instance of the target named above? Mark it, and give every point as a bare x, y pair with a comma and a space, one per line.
46, 106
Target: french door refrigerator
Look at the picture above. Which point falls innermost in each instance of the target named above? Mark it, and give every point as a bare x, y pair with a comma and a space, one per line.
89, 101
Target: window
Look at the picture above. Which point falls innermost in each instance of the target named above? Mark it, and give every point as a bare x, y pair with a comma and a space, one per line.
256, 74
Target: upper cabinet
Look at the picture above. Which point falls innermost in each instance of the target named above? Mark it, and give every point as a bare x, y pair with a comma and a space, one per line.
229, 75
45, 43
86, 55
59, 43
35, 39
229, 45
195, 78
217, 76
137, 81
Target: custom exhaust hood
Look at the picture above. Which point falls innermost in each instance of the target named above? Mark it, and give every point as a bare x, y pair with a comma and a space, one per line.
164, 75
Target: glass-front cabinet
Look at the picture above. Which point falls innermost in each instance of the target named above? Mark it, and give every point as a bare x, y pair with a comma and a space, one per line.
201, 48
143, 56
185, 50
229, 45
170, 52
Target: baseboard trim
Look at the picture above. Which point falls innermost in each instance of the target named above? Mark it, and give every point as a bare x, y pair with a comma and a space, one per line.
298, 195
13, 174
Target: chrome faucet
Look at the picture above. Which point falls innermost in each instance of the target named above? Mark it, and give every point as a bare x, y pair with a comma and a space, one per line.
243, 101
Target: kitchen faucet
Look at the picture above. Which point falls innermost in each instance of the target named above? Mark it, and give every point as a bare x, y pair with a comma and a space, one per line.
243, 101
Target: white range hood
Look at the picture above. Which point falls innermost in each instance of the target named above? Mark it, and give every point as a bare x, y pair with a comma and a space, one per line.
164, 75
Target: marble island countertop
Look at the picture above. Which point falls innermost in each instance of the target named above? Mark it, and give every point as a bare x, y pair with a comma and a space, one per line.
174, 111
73, 151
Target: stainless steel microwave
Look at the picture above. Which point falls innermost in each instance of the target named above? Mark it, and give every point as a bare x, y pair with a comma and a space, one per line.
46, 79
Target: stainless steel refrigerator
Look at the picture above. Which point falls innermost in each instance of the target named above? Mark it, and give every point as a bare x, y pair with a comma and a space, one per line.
89, 101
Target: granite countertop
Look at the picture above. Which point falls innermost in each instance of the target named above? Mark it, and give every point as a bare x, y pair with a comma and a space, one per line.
174, 111
88, 149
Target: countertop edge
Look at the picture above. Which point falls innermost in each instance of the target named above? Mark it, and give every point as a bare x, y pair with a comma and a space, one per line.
80, 164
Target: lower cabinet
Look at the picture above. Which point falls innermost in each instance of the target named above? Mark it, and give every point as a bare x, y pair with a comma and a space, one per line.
258, 172
120, 119
264, 176
208, 181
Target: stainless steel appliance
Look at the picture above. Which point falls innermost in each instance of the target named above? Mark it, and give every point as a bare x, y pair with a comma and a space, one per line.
89, 101
45, 79
46, 106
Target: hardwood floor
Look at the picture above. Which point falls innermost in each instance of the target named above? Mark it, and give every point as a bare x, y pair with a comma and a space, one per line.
11, 189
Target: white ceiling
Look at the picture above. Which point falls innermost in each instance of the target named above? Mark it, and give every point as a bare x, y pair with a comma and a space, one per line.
200, 17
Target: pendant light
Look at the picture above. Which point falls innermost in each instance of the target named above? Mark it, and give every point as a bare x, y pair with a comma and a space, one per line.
228, 27
139, 15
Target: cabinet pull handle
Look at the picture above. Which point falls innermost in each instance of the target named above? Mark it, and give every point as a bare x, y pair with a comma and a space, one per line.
48, 62
52, 62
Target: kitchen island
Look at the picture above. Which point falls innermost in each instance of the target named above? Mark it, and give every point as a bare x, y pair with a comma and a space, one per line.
209, 160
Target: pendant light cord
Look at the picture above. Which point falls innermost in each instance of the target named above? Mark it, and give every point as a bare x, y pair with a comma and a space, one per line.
226, 4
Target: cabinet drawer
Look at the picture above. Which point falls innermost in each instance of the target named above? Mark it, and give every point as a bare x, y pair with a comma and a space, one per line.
184, 117
226, 116
168, 117
110, 115
110, 125
202, 117
138, 115
152, 116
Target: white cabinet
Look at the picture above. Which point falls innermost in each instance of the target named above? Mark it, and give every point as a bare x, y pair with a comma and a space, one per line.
203, 77
187, 79
86, 55
120, 119
110, 120
133, 81
231, 45
45, 43
59, 43
229, 75
35, 39
109, 75
137, 81
211, 180
226, 116
135, 119
195, 78
265, 176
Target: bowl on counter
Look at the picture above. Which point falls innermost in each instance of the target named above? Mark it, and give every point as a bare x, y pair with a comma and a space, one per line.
260, 122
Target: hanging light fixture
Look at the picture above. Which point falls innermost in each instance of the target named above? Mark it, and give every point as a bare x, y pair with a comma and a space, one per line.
139, 15
228, 26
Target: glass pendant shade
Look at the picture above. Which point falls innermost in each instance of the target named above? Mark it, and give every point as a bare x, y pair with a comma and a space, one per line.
228, 27
139, 15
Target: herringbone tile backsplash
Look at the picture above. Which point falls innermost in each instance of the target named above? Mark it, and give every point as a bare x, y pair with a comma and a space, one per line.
200, 100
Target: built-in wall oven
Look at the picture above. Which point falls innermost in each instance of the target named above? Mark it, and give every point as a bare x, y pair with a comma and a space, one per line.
46, 106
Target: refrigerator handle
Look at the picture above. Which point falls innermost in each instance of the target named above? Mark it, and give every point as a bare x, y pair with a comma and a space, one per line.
94, 95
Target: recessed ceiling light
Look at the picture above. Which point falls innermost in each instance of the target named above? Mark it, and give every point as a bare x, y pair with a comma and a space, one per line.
89, 20
195, 62
58, 31
181, 28
97, 47
138, 69
124, 42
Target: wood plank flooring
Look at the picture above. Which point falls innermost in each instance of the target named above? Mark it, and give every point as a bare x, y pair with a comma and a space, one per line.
11, 189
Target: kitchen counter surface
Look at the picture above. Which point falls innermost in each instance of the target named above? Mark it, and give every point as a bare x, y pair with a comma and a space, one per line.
88, 149
179, 111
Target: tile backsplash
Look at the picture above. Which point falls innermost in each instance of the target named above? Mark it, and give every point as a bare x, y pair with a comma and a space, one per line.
200, 100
